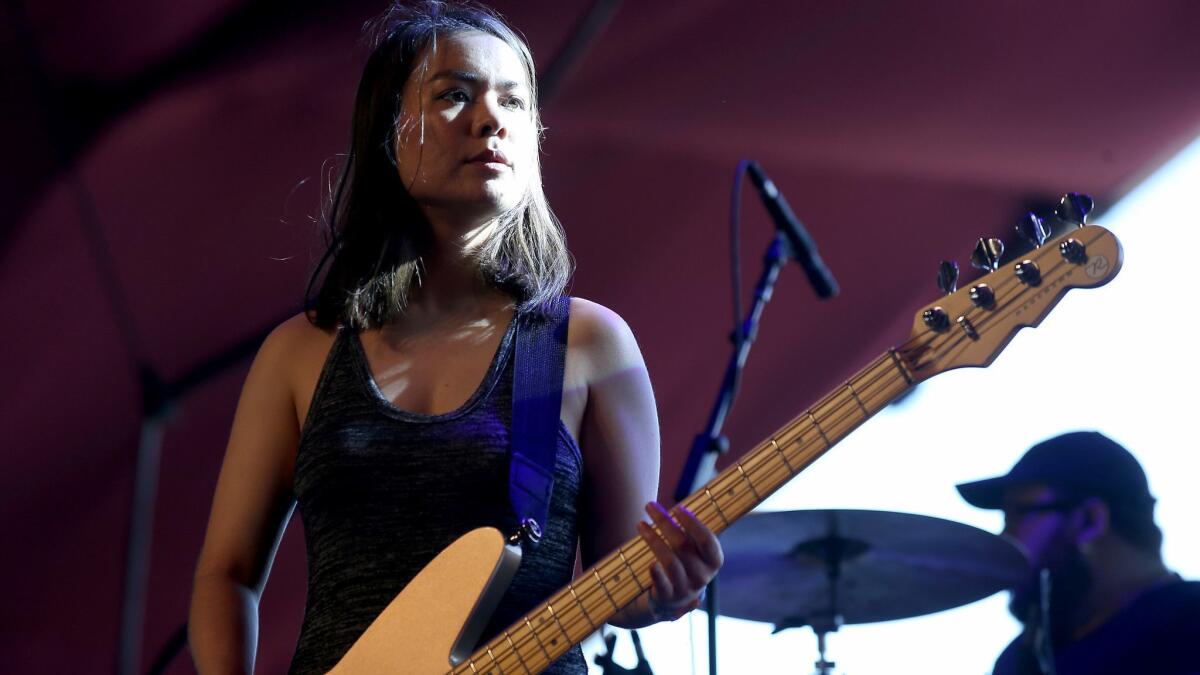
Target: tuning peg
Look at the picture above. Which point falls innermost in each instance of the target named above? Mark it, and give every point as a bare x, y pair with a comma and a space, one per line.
1032, 229
986, 255
947, 279
1074, 208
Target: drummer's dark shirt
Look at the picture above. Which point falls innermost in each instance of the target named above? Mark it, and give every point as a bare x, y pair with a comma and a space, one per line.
1158, 633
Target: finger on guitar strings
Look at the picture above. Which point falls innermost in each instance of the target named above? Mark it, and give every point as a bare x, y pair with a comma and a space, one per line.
669, 528
662, 586
672, 578
678, 554
663, 552
705, 541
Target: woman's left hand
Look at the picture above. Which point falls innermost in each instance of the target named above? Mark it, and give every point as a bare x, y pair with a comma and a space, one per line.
689, 556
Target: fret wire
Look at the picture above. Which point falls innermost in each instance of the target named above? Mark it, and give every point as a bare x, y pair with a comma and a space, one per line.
699, 504
812, 449
724, 483
901, 367
742, 501
554, 615
471, 662
632, 572
759, 469
622, 587
539, 641
817, 426
758, 456
727, 486
707, 509
586, 616
881, 368
495, 662
517, 654
886, 392
526, 646
749, 483
857, 400
786, 463
764, 473
841, 418
717, 507
787, 470
828, 405
795, 431
616, 607
536, 620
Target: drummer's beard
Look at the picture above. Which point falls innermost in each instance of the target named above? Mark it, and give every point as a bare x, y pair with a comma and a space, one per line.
1070, 580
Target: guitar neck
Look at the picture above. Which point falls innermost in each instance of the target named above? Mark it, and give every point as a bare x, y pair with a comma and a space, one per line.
552, 628
985, 317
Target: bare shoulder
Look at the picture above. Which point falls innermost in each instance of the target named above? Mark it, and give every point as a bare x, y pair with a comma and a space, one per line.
297, 336
293, 355
602, 339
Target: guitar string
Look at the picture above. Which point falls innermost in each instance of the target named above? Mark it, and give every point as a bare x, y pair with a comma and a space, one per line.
990, 316
750, 465
635, 560
642, 557
639, 560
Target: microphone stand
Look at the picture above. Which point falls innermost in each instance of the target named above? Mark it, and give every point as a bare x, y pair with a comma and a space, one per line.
709, 445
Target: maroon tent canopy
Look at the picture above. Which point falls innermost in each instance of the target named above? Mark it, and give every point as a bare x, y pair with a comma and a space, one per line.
165, 161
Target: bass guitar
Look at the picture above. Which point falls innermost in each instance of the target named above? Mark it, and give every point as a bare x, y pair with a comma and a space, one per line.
433, 625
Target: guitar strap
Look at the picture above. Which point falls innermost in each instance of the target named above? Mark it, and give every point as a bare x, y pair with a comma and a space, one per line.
537, 399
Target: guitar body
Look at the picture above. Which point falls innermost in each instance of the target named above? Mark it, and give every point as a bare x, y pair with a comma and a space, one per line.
436, 621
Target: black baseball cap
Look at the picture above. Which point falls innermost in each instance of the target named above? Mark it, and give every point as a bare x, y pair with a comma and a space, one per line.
1086, 463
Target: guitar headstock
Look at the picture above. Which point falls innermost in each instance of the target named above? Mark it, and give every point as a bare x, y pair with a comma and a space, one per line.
970, 326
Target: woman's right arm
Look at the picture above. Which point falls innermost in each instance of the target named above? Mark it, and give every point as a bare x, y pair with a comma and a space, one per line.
251, 506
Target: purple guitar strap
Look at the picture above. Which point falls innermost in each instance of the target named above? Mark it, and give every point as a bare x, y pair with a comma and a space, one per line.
541, 353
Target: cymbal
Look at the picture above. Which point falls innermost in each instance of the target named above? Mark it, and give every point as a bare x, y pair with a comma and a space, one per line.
829, 567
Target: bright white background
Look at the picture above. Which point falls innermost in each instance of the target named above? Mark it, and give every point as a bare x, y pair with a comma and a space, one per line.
1118, 359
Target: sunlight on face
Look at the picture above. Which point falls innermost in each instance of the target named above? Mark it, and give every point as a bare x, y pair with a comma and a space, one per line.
466, 140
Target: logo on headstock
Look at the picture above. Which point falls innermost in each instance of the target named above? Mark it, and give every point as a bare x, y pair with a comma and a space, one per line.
1097, 267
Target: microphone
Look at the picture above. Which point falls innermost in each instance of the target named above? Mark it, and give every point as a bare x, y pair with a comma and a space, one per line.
803, 248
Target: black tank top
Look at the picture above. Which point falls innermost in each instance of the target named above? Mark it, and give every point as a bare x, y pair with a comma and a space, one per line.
382, 491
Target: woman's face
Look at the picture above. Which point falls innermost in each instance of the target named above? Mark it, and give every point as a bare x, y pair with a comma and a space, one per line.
466, 142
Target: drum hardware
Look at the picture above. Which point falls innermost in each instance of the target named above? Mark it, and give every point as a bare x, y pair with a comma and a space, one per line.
828, 568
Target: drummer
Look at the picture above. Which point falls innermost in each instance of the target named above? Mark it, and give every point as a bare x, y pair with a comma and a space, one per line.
1080, 506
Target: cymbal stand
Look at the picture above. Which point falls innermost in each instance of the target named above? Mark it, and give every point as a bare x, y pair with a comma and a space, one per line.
822, 628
